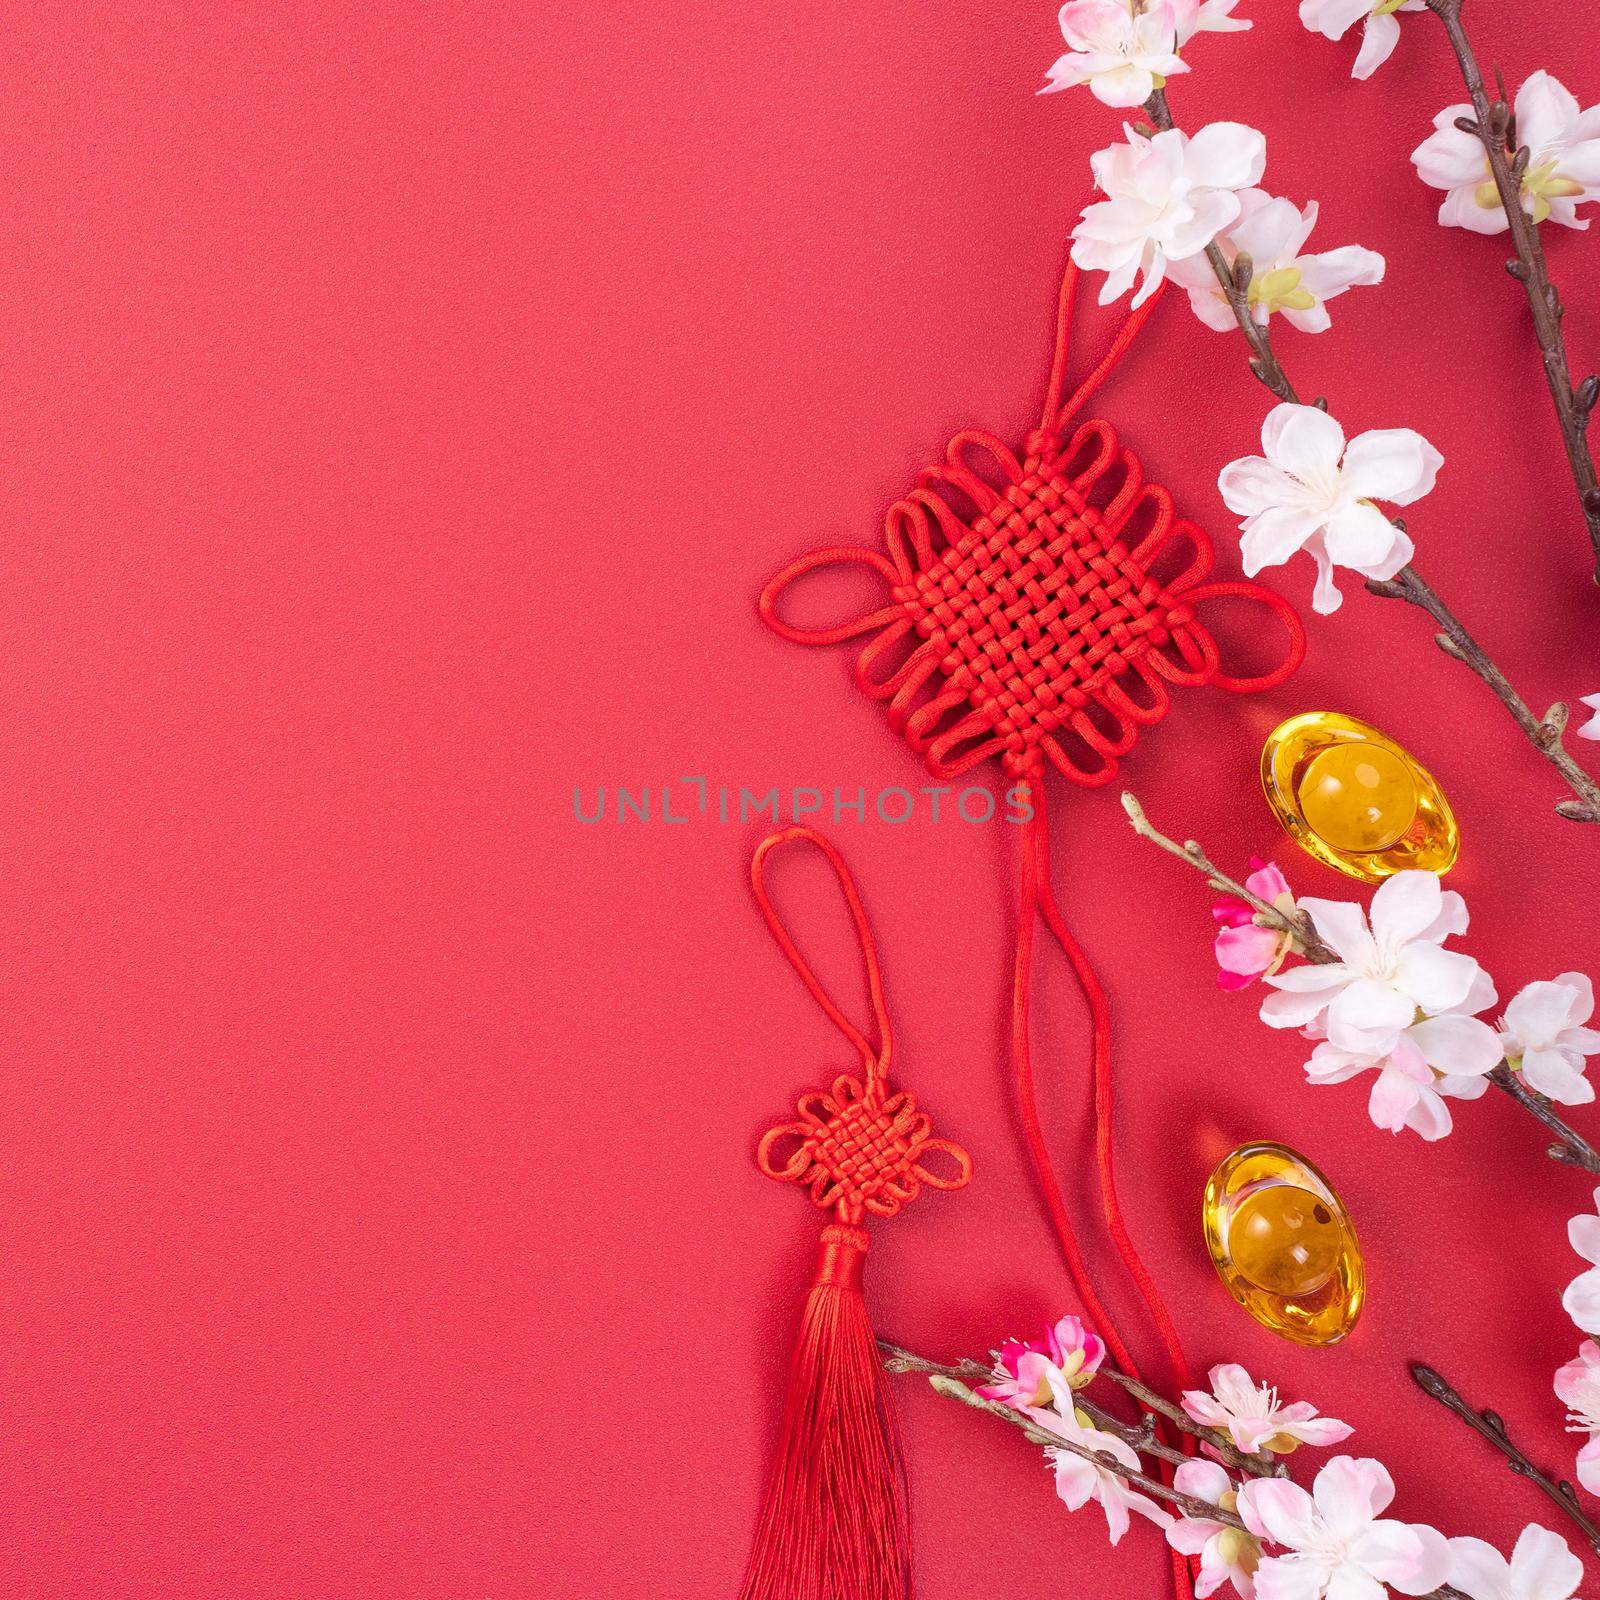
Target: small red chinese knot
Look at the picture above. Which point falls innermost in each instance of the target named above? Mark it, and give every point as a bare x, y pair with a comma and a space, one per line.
861, 1148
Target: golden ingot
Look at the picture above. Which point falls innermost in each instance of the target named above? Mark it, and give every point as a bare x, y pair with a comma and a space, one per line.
1347, 794
1283, 1243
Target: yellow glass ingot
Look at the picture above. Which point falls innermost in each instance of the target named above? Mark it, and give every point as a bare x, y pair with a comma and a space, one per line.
1283, 1243
1347, 794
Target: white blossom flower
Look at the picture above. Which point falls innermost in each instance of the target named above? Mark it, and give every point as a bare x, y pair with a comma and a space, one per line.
1168, 197
1311, 492
1563, 165
1578, 1389
1438, 1058
1543, 1036
1122, 54
1384, 976
1582, 1297
1338, 1546
1591, 729
1207, 16
1380, 32
1541, 1568
1078, 1480
1272, 233
1252, 1416
1314, 493
1226, 1555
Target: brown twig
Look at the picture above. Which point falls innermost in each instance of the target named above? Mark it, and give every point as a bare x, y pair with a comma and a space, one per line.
1543, 732
1570, 1146
1492, 1427
1493, 128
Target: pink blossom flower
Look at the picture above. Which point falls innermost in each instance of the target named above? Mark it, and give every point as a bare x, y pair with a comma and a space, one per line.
1023, 1368
1124, 56
1578, 1389
1079, 1480
1243, 950
1385, 974
1252, 1416
1380, 31
1338, 1546
1226, 1554
1544, 1039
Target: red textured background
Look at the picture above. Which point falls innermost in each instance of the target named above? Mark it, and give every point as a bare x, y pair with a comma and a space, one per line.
403, 405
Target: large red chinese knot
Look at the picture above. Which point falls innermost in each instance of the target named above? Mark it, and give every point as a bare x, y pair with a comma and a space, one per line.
1023, 618
1038, 609
836, 1524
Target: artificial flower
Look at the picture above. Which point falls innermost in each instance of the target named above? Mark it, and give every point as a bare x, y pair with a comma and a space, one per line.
1380, 32
1079, 1480
1578, 1389
1243, 950
1022, 1368
1542, 1035
1591, 729
1563, 164
1312, 492
1272, 233
1582, 1296
1124, 55
1541, 1568
1385, 975
1338, 1545
1254, 1420
1167, 197
1207, 16
1226, 1555
1438, 1058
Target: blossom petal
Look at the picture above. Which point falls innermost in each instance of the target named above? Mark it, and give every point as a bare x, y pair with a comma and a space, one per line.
1276, 1509
1226, 155
1272, 536
1404, 907
1539, 1011
1333, 18
1342, 925
1583, 1234
1553, 1074
1350, 1491
1437, 979
1331, 273
1304, 441
1457, 1044
1291, 1578
1378, 39
1252, 484
1360, 537
1542, 1565
1394, 464
1581, 1300
1547, 113
1479, 1570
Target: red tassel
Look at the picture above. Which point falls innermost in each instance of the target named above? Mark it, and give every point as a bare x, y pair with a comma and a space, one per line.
837, 1521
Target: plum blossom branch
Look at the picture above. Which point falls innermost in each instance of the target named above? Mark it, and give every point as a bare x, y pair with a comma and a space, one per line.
1569, 1147
1141, 1435
1491, 1426
1544, 733
1492, 125
1234, 1535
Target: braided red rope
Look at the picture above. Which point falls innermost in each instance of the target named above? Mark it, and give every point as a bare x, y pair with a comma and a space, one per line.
1022, 621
